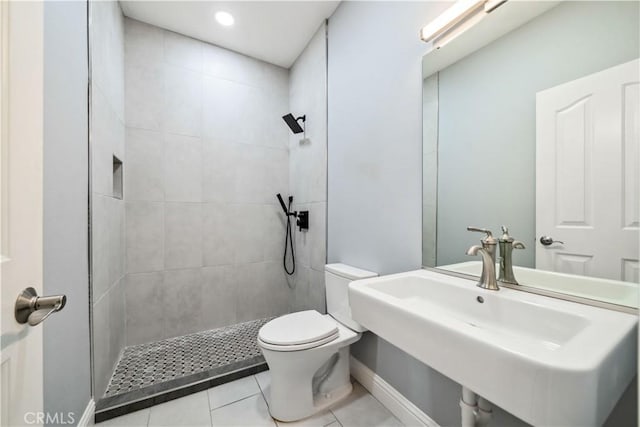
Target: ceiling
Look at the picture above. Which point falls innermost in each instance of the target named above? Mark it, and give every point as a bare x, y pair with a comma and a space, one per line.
273, 31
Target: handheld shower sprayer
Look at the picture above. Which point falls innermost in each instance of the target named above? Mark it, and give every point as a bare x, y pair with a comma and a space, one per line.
284, 207
288, 237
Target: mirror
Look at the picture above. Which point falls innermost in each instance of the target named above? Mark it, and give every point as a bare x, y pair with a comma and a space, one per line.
538, 130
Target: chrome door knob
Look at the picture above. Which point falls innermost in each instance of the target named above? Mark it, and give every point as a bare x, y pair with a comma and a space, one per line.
547, 241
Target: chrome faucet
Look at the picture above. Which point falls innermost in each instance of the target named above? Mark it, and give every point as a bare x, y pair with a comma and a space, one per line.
507, 245
488, 276
488, 253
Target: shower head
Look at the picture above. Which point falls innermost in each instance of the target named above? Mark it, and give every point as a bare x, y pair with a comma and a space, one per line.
293, 122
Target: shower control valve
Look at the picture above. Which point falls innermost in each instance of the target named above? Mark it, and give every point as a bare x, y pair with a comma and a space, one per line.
303, 220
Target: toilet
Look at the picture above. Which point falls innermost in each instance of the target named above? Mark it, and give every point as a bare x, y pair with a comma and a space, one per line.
308, 352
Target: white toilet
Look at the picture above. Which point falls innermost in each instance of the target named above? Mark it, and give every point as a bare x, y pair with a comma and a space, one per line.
308, 353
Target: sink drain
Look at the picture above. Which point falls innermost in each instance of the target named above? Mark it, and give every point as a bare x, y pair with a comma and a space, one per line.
480, 299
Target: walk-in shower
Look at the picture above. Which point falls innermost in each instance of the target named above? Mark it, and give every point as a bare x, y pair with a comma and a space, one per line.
186, 234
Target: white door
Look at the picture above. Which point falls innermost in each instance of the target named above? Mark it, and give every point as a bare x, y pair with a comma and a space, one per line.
21, 123
588, 174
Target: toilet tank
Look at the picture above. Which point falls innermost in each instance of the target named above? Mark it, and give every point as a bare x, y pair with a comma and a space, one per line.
337, 279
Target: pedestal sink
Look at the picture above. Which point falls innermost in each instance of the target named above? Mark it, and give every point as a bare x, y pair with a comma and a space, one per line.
547, 361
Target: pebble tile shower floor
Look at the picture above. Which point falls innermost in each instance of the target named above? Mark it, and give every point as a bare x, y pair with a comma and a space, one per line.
148, 364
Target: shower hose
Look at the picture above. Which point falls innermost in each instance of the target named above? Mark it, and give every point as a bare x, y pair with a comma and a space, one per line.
288, 242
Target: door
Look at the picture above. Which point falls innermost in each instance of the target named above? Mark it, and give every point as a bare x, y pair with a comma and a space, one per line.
588, 174
21, 124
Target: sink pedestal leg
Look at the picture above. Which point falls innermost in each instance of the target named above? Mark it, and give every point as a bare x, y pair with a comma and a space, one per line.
475, 410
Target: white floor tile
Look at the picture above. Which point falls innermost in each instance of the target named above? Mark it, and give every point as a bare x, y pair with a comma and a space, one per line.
233, 391
251, 412
360, 409
264, 380
322, 419
190, 410
134, 419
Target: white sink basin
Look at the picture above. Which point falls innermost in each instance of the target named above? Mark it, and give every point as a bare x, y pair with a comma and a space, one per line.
611, 291
547, 361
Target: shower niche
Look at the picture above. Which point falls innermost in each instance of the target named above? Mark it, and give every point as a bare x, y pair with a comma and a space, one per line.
118, 172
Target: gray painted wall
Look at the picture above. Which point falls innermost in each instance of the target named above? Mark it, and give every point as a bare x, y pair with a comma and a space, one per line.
375, 134
66, 334
374, 161
487, 120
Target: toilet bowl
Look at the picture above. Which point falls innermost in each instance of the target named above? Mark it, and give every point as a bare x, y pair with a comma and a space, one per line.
308, 352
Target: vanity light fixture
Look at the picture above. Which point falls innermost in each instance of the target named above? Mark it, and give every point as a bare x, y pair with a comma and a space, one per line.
457, 19
224, 18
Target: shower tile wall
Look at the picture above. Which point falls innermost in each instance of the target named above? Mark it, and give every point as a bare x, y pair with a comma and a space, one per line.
206, 153
107, 210
308, 172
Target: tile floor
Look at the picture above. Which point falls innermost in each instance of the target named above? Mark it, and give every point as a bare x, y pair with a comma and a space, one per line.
242, 403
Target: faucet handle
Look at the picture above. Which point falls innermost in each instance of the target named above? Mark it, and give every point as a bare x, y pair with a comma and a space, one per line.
480, 230
490, 240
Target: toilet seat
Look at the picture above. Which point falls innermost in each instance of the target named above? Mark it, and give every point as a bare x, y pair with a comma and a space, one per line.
298, 331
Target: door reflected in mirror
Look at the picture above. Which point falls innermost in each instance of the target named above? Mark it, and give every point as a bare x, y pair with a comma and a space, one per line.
539, 130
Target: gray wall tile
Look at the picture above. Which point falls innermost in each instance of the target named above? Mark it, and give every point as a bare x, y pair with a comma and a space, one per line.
317, 293
182, 301
117, 321
217, 240
230, 111
250, 280
145, 299
308, 172
143, 43
107, 140
182, 101
144, 95
100, 246
248, 225
107, 213
182, 168
218, 176
276, 290
317, 235
102, 364
144, 169
228, 65
218, 297
115, 210
182, 235
144, 236
183, 51
107, 53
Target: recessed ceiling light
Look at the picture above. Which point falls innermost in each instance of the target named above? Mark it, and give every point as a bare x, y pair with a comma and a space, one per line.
224, 18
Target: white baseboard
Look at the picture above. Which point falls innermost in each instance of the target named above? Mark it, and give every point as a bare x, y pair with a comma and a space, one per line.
408, 413
87, 417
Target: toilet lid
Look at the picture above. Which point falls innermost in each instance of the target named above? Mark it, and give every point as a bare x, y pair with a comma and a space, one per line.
302, 327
